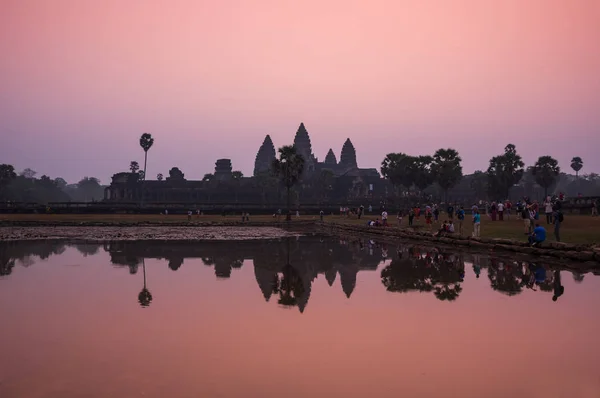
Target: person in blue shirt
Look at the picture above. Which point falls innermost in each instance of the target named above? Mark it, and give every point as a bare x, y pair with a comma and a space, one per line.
476, 224
538, 235
460, 214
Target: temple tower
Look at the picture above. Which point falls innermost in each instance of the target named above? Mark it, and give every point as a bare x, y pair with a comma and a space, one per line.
330, 159
223, 169
265, 156
348, 157
304, 148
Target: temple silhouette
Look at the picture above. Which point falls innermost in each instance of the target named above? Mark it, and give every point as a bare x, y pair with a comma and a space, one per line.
328, 181
347, 166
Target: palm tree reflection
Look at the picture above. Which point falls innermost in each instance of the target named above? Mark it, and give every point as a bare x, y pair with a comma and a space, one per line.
145, 297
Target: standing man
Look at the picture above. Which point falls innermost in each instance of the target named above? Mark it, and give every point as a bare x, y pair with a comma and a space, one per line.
558, 218
460, 214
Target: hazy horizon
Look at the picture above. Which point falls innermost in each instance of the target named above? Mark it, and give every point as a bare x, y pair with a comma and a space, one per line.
81, 81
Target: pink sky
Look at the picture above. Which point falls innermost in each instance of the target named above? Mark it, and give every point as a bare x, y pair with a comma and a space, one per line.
81, 80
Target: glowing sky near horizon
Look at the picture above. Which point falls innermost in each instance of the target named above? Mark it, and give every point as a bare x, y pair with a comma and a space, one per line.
81, 80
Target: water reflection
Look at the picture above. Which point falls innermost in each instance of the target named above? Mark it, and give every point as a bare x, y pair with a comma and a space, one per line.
286, 269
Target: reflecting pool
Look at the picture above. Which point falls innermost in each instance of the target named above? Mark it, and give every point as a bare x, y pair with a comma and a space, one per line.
301, 317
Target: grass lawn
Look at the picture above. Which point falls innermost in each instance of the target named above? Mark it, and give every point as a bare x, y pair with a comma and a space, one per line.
575, 228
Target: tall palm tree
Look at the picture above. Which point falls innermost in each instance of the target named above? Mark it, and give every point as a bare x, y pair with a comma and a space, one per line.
288, 168
146, 142
145, 297
576, 164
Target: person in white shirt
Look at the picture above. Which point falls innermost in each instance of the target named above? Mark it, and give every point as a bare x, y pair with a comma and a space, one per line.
500, 211
384, 216
548, 210
451, 227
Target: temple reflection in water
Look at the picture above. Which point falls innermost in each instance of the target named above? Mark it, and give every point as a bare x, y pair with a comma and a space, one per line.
286, 269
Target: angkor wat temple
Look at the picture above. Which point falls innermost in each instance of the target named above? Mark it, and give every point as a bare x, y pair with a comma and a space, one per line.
347, 166
329, 181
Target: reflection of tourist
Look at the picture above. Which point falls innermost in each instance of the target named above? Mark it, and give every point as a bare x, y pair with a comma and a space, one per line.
477, 270
559, 289
411, 217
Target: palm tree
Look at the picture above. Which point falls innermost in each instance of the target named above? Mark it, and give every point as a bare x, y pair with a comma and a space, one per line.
146, 142
288, 168
145, 297
576, 164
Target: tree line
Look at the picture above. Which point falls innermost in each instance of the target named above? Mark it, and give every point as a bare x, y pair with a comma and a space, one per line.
25, 186
444, 169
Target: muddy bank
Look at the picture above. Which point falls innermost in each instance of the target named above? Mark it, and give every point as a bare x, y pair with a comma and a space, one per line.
110, 223
164, 232
564, 251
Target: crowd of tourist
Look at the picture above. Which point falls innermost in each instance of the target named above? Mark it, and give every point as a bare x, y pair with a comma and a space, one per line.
531, 212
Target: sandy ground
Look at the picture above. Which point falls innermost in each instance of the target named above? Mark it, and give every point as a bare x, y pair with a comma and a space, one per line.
142, 233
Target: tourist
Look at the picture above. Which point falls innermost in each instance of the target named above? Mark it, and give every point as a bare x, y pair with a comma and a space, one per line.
361, 210
411, 216
450, 211
189, 215
500, 211
443, 229
436, 213
507, 207
595, 208
548, 210
460, 214
519, 209
538, 235
198, 213
321, 213
494, 211
247, 216
474, 208
166, 212
400, 214
558, 219
476, 224
450, 227
384, 217
297, 213
428, 218
370, 209
418, 212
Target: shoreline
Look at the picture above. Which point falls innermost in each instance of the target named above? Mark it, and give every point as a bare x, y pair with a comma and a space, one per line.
238, 230
564, 251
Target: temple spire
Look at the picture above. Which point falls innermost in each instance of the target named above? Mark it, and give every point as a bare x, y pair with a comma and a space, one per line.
348, 157
302, 142
264, 156
330, 158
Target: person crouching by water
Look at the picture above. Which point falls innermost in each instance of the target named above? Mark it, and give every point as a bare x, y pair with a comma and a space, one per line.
447, 228
537, 236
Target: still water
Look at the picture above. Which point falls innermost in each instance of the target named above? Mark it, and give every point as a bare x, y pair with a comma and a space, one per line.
303, 317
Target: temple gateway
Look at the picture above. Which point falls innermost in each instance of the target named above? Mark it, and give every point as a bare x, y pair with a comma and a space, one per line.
328, 182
